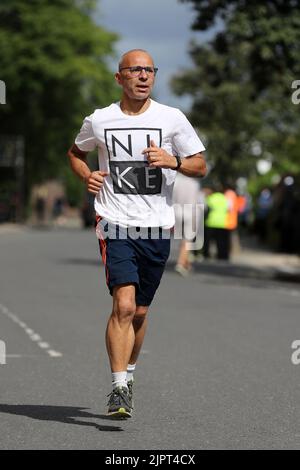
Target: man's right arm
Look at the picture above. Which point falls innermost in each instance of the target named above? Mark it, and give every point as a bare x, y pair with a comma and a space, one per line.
92, 179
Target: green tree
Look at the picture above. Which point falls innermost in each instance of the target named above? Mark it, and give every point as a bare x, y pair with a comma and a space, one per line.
53, 61
241, 83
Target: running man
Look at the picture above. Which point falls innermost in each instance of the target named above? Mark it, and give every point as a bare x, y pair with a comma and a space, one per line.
141, 146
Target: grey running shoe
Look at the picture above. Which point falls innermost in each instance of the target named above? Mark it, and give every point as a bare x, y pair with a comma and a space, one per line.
184, 272
130, 391
119, 403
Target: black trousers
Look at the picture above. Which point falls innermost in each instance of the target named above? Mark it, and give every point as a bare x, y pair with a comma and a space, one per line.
221, 237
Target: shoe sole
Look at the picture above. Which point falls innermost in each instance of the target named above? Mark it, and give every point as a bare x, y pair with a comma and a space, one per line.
121, 413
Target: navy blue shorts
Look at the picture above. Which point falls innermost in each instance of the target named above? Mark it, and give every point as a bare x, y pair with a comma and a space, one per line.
140, 260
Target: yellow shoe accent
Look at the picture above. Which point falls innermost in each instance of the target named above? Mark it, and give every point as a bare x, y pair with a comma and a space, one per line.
121, 413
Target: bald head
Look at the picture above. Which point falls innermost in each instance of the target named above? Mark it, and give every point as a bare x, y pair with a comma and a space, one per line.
133, 56
136, 75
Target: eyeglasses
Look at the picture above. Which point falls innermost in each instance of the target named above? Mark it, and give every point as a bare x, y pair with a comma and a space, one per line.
136, 71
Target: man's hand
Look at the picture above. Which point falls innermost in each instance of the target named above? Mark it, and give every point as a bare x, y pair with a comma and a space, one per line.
94, 181
158, 157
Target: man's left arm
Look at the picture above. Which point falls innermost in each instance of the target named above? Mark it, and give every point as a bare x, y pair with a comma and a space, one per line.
193, 165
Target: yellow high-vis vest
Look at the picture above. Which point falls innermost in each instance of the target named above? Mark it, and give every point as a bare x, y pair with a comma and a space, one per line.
218, 209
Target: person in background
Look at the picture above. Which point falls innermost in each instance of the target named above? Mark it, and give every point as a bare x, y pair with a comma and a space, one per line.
185, 199
216, 224
231, 222
244, 210
264, 206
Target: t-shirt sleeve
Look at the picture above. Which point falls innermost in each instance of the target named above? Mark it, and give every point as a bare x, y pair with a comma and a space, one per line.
185, 140
86, 140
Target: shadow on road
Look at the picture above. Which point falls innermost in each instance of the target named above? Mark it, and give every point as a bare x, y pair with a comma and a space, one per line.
61, 414
252, 275
225, 268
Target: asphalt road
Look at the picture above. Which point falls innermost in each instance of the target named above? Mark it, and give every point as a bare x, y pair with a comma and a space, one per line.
215, 371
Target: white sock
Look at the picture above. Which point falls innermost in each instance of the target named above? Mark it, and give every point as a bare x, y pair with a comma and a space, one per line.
130, 371
119, 379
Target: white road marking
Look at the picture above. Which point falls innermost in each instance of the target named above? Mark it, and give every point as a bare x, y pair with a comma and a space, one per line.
20, 355
13, 355
54, 353
35, 337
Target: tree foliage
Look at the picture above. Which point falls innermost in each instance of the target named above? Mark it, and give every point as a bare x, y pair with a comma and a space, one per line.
53, 61
241, 83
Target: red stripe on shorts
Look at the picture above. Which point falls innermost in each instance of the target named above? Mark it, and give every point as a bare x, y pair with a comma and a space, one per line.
103, 253
103, 247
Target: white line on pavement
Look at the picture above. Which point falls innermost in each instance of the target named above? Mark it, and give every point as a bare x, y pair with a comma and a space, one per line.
54, 353
43, 345
36, 338
20, 355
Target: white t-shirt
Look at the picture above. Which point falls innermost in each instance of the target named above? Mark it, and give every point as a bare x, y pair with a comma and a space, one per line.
133, 193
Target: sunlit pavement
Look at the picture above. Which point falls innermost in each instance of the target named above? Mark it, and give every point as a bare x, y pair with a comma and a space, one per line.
217, 369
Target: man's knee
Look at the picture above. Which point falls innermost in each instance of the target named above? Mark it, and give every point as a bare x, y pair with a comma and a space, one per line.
124, 310
124, 306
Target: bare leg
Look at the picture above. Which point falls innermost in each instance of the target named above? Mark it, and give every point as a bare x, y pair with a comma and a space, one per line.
120, 336
139, 325
183, 256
